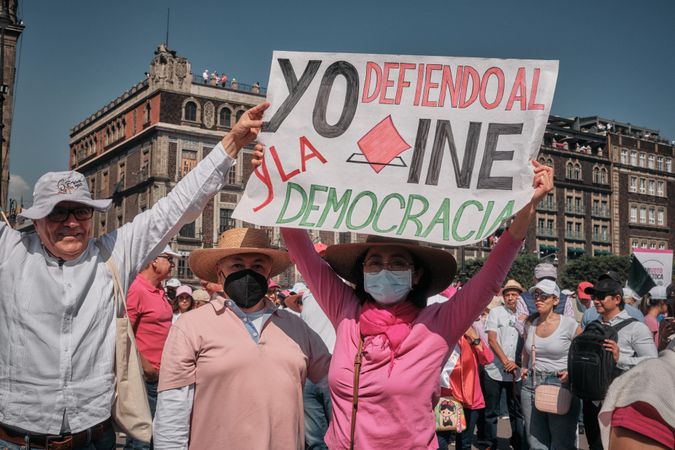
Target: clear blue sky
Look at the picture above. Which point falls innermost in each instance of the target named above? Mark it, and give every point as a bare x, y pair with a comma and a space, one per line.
617, 58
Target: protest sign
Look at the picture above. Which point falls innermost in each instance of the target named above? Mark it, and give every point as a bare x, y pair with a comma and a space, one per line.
658, 263
427, 148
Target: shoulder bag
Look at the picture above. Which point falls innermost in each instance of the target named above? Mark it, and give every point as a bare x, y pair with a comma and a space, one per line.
548, 398
130, 409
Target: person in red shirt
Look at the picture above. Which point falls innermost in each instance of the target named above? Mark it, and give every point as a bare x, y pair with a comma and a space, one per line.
150, 314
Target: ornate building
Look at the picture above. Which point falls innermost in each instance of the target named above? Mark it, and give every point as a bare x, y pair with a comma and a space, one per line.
10, 31
611, 190
138, 146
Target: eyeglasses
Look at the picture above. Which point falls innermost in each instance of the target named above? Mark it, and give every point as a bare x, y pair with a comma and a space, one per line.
167, 257
601, 297
61, 214
374, 265
542, 295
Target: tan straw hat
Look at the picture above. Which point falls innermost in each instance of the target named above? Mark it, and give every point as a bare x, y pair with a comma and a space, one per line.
512, 285
236, 241
438, 264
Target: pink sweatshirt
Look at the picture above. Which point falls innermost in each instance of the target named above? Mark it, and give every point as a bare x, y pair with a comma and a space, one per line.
395, 411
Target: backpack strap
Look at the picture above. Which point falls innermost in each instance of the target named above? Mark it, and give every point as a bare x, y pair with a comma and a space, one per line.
624, 323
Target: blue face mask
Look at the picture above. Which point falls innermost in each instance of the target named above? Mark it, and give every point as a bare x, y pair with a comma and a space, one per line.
388, 287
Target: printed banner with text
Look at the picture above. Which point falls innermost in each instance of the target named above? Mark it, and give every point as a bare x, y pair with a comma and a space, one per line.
420, 147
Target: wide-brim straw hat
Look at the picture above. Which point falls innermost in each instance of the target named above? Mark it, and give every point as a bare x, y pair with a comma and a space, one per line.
236, 241
512, 285
440, 265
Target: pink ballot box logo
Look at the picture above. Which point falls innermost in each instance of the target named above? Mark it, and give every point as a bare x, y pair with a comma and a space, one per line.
420, 147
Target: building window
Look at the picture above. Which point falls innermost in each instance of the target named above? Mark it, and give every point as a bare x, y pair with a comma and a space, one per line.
634, 244
643, 214
183, 268
188, 161
145, 164
232, 176
633, 184
668, 165
652, 216
188, 230
633, 214
643, 186
660, 188
624, 156
225, 117
643, 244
659, 163
146, 113
650, 161
596, 175
660, 217
643, 159
190, 112
633, 158
226, 221
662, 246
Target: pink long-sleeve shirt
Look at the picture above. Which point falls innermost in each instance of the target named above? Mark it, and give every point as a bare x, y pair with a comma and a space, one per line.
396, 409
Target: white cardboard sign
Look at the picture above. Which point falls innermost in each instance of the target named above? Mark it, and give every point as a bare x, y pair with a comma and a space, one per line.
421, 147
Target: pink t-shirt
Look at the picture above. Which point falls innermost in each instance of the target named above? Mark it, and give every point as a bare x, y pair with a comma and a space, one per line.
150, 315
247, 395
396, 410
653, 326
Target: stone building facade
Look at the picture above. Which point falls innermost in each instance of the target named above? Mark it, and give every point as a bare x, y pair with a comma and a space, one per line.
11, 28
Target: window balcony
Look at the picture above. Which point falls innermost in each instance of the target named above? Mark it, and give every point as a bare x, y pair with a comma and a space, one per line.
575, 235
546, 232
547, 206
600, 212
600, 237
572, 209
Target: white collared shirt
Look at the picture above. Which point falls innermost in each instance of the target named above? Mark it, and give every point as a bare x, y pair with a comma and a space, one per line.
503, 321
56, 321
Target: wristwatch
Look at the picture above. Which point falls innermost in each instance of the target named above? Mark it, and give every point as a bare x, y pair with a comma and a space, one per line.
475, 341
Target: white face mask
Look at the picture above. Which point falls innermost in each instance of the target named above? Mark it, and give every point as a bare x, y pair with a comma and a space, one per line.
388, 287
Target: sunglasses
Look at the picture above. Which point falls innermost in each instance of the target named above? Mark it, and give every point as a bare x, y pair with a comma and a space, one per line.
168, 258
61, 214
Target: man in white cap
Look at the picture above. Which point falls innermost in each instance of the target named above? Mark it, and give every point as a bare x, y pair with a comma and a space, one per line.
56, 315
151, 315
170, 287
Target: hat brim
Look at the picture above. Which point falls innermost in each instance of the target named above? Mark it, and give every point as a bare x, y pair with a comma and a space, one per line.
439, 264
40, 211
203, 261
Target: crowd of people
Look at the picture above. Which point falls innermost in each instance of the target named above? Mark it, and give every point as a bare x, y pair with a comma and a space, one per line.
379, 348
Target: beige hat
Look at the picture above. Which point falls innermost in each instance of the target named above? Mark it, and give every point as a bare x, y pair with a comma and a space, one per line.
512, 285
200, 295
236, 241
439, 264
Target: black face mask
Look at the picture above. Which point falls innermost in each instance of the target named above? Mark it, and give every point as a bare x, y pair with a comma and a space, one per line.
246, 287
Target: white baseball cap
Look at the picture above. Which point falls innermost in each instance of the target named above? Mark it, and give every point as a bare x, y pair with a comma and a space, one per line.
548, 287
53, 188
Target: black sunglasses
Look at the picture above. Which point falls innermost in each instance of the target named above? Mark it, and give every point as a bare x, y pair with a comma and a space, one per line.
61, 214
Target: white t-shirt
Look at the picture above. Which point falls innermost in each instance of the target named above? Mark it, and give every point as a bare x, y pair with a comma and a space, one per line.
503, 321
551, 351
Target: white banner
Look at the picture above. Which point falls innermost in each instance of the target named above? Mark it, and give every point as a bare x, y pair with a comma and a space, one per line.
420, 147
658, 263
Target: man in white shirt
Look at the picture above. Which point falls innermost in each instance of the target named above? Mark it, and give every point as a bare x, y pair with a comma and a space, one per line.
635, 342
56, 314
503, 374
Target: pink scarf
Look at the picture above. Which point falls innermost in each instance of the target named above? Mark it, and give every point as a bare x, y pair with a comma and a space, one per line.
395, 322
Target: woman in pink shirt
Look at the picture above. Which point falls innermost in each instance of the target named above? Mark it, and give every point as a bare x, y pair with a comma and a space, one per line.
403, 342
